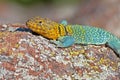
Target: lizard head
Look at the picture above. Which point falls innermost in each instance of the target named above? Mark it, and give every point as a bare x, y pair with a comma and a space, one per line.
45, 27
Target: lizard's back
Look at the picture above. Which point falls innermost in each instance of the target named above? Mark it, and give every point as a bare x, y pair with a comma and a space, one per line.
89, 35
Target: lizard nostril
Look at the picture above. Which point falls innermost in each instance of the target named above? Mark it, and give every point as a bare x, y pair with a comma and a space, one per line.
27, 22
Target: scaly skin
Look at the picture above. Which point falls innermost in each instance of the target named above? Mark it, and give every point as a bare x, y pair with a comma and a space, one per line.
64, 35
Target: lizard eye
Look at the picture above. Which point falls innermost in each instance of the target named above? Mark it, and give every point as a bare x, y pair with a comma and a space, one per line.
40, 22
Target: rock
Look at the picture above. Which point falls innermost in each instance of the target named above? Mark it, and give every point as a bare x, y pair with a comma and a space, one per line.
26, 56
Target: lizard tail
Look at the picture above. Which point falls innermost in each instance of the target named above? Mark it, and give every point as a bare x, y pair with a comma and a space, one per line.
115, 45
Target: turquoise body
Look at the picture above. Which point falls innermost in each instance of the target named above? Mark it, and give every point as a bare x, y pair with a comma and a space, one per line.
90, 35
87, 35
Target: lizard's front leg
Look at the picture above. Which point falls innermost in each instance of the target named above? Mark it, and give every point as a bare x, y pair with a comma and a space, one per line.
64, 41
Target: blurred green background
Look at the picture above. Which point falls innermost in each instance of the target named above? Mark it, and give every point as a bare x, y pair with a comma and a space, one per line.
100, 13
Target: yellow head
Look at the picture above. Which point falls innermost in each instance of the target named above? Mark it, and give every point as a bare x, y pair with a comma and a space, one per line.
46, 27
